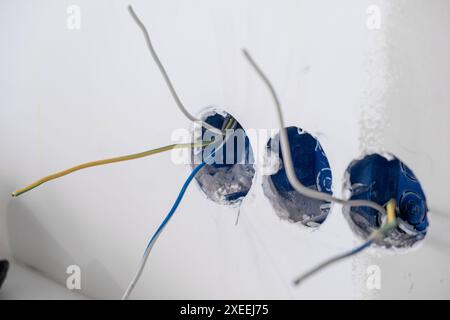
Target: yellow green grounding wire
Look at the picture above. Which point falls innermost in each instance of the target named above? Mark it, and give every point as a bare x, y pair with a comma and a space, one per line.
107, 161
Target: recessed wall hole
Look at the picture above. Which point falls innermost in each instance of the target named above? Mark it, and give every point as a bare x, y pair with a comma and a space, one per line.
379, 178
228, 180
312, 169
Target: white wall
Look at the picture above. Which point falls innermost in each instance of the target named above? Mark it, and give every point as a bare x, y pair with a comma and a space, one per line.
416, 108
68, 96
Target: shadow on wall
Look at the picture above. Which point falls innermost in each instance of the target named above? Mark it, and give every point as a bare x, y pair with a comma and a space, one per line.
33, 246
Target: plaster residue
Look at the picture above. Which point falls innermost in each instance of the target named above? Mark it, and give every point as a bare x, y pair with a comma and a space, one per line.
224, 183
416, 103
378, 178
311, 167
297, 208
373, 121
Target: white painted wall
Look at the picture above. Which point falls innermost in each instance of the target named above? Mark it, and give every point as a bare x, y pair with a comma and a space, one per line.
69, 96
416, 107
26, 283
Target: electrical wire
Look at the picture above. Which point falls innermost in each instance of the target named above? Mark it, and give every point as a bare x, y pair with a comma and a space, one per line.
227, 125
159, 230
299, 187
134, 156
287, 157
389, 225
165, 75
106, 161
331, 261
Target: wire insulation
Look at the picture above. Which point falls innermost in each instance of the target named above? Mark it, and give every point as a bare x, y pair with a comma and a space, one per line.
165, 75
389, 225
331, 261
287, 157
228, 124
106, 161
159, 230
299, 187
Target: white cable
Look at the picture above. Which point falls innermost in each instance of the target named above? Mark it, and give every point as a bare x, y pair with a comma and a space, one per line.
165, 75
287, 157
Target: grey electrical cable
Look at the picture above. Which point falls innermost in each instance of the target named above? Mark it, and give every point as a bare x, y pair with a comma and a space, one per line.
287, 157
165, 75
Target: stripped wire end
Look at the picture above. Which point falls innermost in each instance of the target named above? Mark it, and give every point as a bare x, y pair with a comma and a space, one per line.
391, 223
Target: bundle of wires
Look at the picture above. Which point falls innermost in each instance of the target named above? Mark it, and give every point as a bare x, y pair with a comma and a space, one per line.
229, 123
391, 221
155, 236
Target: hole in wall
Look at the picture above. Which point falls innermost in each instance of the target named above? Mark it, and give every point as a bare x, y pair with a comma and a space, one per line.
312, 169
379, 178
230, 180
